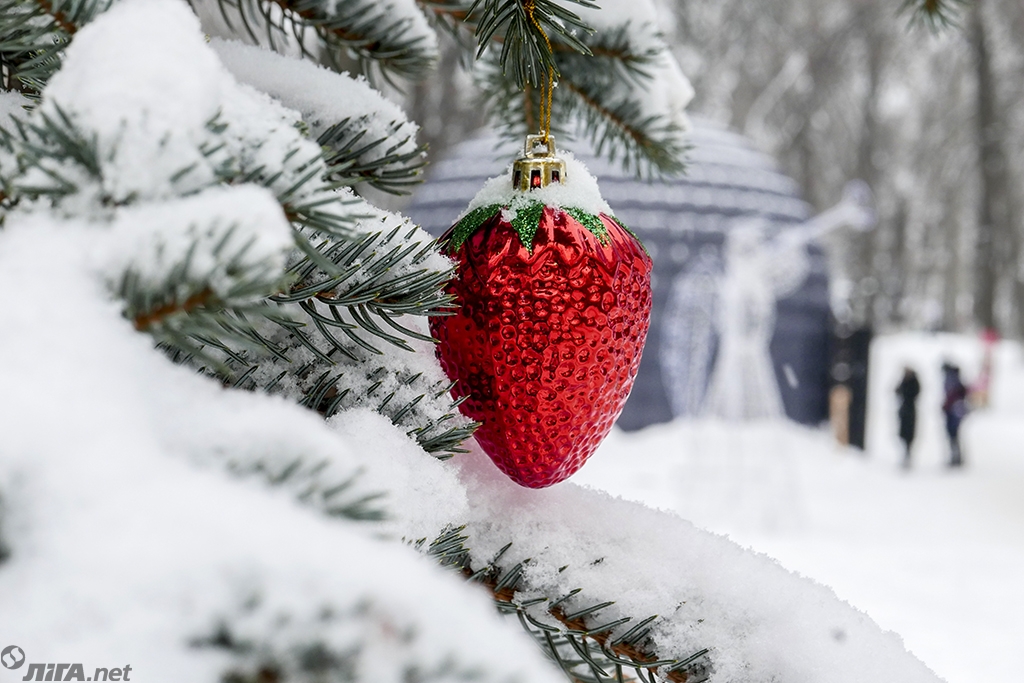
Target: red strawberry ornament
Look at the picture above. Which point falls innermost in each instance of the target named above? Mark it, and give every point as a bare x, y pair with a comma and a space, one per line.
554, 304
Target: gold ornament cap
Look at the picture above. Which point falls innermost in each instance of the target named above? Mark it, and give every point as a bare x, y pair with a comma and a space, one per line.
538, 167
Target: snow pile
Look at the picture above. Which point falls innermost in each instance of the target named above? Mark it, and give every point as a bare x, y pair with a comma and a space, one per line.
578, 189
221, 233
761, 622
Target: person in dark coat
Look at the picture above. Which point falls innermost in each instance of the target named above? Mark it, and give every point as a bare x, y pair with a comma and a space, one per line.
907, 392
955, 408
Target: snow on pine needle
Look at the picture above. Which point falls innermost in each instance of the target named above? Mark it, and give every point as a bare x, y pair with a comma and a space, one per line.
370, 138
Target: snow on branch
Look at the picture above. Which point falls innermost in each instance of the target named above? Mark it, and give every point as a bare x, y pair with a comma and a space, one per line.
389, 37
606, 565
370, 138
240, 255
649, 93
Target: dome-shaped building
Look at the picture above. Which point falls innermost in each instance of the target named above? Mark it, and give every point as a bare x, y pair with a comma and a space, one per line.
686, 224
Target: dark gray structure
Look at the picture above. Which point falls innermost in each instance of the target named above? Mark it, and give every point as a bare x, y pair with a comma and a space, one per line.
683, 222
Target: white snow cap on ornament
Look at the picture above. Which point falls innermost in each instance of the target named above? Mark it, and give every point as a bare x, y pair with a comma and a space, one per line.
577, 189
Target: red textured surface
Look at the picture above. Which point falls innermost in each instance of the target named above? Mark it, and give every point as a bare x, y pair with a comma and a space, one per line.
546, 345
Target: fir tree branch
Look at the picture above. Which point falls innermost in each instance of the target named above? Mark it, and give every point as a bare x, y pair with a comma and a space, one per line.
646, 144
567, 638
525, 29
143, 320
935, 14
33, 33
349, 160
362, 29
597, 97
59, 18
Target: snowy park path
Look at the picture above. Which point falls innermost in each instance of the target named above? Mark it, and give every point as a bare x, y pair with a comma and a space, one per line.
933, 554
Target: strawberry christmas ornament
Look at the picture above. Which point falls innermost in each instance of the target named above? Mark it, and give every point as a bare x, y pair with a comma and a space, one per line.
553, 302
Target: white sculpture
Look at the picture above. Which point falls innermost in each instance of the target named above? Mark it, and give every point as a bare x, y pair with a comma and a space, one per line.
758, 270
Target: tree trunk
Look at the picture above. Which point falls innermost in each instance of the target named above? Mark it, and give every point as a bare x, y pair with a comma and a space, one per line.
994, 230
865, 244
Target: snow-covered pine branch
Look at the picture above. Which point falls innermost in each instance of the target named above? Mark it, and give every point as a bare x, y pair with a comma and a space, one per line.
370, 138
611, 573
388, 38
347, 281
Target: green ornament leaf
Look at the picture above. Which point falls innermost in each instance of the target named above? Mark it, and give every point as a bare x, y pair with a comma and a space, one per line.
468, 225
590, 222
527, 221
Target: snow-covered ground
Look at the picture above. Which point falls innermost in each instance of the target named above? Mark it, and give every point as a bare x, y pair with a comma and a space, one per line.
933, 554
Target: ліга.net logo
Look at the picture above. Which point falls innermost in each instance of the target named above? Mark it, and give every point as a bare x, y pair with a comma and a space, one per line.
13, 657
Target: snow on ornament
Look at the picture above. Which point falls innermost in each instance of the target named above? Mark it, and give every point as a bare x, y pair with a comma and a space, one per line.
554, 301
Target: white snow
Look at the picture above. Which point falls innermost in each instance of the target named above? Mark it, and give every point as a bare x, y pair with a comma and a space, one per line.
154, 126
221, 231
761, 622
932, 554
11, 103
578, 189
323, 97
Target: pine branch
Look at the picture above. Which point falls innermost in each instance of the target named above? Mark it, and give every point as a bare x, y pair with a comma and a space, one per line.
145, 319
520, 27
597, 97
315, 484
599, 653
349, 160
327, 362
646, 144
311, 332
53, 157
935, 14
205, 316
33, 33
363, 29
365, 277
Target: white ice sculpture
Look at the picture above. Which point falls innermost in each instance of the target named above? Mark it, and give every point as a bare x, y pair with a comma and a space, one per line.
758, 271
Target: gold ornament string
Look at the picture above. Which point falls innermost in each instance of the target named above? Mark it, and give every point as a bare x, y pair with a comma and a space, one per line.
548, 87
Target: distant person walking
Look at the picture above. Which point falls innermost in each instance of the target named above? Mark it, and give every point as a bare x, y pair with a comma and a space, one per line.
955, 408
907, 392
